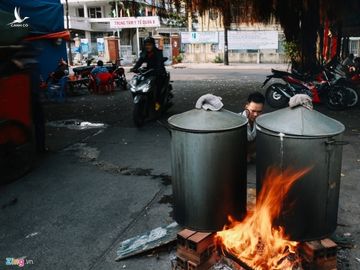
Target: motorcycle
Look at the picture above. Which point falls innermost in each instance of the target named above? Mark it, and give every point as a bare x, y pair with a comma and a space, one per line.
324, 88
350, 74
143, 88
118, 74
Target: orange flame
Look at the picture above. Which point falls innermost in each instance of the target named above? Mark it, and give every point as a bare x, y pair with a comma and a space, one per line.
254, 240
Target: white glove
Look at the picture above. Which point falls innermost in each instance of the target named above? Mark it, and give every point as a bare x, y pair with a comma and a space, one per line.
209, 102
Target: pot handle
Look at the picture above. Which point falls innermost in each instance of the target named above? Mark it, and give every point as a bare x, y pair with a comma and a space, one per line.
334, 142
165, 125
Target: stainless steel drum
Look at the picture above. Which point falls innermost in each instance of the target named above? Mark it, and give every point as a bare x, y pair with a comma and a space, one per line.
208, 168
300, 138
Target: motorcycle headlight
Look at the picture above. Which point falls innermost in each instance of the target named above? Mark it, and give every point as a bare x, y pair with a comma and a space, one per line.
145, 86
133, 83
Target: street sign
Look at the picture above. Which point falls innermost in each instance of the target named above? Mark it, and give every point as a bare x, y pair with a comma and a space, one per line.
134, 22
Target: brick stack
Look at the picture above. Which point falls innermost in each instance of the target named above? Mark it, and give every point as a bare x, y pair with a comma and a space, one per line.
195, 250
319, 255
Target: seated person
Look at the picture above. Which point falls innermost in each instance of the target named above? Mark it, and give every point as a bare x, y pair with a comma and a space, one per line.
253, 108
99, 68
60, 71
100, 73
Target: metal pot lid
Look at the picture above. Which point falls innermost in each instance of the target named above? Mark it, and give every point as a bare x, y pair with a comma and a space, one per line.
299, 121
199, 120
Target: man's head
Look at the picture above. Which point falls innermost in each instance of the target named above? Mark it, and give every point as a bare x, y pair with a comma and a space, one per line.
100, 63
351, 56
255, 105
149, 44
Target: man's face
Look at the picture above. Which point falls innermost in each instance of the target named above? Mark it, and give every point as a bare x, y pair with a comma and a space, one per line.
255, 109
148, 47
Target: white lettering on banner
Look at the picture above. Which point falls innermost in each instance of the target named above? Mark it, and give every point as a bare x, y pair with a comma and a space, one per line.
134, 22
199, 37
250, 40
238, 40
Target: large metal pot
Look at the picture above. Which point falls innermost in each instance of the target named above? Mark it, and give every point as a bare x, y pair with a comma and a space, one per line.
208, 168
300, 138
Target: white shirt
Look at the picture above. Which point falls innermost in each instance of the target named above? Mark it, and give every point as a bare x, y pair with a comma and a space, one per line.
251, 130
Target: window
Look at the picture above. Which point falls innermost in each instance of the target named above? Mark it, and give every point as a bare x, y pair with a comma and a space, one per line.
80, 12
95, 12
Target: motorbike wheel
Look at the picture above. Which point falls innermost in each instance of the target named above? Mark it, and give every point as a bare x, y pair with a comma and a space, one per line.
168, 103
351, 98
122, 83
139, 114
341, 97
275, 99
335, 99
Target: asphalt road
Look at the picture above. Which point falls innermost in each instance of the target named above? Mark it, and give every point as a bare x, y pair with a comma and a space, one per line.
98, 187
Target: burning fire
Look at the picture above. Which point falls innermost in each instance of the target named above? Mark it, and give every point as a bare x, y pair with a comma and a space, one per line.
255, 240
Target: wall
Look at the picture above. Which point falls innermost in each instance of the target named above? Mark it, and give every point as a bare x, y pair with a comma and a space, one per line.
236, 57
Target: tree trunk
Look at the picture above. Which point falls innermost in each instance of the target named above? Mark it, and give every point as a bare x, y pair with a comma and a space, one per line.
310, 25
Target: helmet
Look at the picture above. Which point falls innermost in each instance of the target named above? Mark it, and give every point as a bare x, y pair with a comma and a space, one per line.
149, 40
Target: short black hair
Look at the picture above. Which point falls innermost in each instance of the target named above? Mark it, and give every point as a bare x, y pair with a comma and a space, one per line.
256, 97
100, 63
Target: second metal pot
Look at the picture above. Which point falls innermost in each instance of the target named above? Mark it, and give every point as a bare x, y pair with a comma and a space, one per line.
297, 139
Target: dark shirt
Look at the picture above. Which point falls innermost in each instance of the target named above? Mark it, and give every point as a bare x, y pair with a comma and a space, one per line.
59, 72
154, 60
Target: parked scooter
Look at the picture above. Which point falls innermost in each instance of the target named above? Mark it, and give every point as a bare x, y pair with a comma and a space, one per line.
349, 74
334, 92
143, 89
119, 76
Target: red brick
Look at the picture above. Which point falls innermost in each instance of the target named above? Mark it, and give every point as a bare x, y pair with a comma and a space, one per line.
199, 241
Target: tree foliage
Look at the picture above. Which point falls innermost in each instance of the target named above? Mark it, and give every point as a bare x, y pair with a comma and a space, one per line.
300, 19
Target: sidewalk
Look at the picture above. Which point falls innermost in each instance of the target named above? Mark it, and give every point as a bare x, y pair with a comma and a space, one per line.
237, 66
240, 66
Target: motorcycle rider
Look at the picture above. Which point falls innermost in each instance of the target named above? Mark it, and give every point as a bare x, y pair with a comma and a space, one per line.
154, 59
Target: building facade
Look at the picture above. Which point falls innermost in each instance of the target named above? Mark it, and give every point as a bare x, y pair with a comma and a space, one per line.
248, 43
90, 21
202, 35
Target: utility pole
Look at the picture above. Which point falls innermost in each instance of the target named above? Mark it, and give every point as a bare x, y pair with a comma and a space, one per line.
68, 27
226, 22
137, 42
118, 61
226, 46
117, 15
